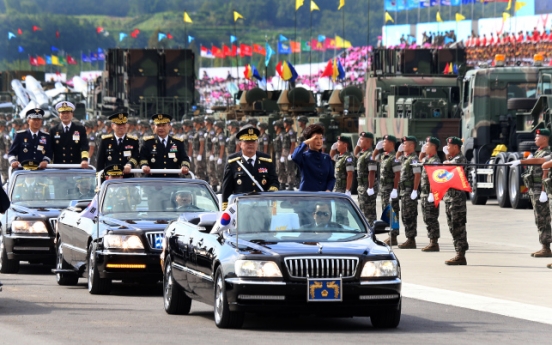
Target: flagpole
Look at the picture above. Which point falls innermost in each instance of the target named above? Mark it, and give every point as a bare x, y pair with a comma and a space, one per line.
295, 37
266, 64
310, 52
237, 67
185, 72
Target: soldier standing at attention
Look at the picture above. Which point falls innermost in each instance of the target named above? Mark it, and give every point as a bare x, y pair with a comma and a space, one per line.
302, 123
187, 135
278, 153
219, 152
390, 172
31, 144
344, 167
232, 140
198, 145
92, 152
288, 146
70, 144
119, 148
264, 138
366, 176
429, 210
408, 186
209, 150
455, 206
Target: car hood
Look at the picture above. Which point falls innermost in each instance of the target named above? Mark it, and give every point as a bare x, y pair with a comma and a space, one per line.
134, 225
46, 212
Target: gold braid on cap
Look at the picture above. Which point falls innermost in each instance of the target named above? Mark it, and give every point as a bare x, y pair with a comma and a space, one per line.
160, 119
249, 136
121, 119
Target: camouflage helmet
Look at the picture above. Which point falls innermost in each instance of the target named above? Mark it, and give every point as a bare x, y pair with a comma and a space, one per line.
263, 125
18, 122
188, 123
303, 119
101, 118
107, 122
2, 123
89, 124
132, 121
197, 119
209, 119
288, 120
219, 124
321, 124
233, 123
243, 123
252, 121
176, 125
144, 123
278, 123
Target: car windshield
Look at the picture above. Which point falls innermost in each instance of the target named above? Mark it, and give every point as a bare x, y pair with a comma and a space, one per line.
52, 189
156, 200
295, 218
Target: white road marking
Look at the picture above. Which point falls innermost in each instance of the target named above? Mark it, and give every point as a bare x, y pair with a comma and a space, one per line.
479, 303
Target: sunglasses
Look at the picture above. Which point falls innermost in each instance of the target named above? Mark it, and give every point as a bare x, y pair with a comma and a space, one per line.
325, 214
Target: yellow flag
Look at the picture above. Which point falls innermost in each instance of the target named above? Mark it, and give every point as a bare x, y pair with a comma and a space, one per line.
519, 5
438, 17
341, 4
187, 18
237, 16
55, 61
298, 3
509, 5
505, 16
388, 18
459, 17
314, 6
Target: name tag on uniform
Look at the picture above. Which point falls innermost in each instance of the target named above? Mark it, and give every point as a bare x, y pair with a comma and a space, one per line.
76, 136
172, 155
126, 153
40, 147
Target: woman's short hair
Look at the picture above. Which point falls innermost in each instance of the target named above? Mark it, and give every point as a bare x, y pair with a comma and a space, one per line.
312, 130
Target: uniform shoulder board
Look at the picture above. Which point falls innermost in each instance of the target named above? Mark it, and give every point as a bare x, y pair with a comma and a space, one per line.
148, 137
46, 133
264, 159
133, 137
22, 131
178, 139
107, 136
234, 160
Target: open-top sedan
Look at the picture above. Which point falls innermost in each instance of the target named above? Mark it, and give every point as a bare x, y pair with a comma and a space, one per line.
118, 235
282, 252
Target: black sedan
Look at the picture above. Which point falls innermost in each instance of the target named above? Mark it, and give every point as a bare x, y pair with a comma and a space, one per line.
118, 235
37, 198
283, 252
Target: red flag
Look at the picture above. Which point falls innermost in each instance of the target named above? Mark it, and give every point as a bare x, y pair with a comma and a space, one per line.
57, 34
217, 52
329, 43
226, 51
317, 45
245, 50
135, 33
41, 61
328, 71
33, 61
295, 46
70, 60
442, 178
19, 32
169, 36
36, 28
259, 49
279, 69
99, 30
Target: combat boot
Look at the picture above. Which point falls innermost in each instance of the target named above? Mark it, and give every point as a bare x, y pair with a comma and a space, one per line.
432, 247
544, 252
409, 244
458, 260
391, 240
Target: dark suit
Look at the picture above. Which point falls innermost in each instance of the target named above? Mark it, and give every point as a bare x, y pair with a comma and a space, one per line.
71, 147
157, 156
24, 148
236, 181
110, 152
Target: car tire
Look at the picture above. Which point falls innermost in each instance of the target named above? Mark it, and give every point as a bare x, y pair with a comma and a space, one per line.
7, 265
387, 319
175, 301
61, 264
224, 318
96, 285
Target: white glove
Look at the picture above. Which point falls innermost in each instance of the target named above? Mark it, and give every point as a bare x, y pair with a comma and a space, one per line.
370, 191
211, 158
334, 146
424, 148
543, 197
5, 156
530, 156
414, 194
430, 198
348, 192
199, 158
445, 150
513, 163
219, 161
282, 159
394, 194
358, 142
289, 157
379, 145
401, 148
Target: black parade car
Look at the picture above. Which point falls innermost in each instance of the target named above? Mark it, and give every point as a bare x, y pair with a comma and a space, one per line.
282, 252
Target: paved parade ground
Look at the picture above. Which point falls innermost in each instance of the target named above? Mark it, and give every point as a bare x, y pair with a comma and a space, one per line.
502, 296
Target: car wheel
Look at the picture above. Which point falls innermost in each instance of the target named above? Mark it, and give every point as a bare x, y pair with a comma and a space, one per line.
224, 318
61, 264
96, 285
387, 319
175, 300
7, 265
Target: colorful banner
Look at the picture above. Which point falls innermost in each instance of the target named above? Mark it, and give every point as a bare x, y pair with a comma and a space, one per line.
442, 178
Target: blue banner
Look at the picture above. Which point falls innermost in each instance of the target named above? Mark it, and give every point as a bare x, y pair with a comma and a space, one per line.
404, 5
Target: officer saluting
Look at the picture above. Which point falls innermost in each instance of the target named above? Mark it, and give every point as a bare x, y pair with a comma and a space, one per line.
119, 147
69, 140
258, 164
31, 144
161, 151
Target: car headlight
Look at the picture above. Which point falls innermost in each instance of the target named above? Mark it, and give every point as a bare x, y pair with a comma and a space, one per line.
383, 268
123, 242
29, 227
254, 268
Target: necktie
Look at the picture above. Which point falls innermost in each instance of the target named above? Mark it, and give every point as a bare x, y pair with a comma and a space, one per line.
250, 162
34, 137
164, 145
66, 129
120, 141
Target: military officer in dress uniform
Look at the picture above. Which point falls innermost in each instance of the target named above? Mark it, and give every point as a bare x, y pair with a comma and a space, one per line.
344, 167
161, 151
69, 141
120, 147
31, 144
258, 164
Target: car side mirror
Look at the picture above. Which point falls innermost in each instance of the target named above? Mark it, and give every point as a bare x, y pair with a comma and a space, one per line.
380, 227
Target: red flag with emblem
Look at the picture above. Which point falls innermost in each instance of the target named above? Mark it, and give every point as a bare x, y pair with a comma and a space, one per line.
259, 49
443, 177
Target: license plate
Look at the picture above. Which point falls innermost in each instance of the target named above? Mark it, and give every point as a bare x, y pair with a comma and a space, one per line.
324, 290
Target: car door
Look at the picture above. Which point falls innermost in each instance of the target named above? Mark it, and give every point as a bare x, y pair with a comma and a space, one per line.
206, 247
66, 230
178, 236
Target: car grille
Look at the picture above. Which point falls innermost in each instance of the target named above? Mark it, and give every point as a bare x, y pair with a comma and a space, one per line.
321, 267
155, 239
53, 223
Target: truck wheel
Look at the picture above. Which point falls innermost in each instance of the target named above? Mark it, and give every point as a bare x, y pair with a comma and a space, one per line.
475, 197
515, 191
502, 194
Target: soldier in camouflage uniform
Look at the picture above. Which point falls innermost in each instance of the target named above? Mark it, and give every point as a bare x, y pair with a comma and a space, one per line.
302, 122
429, 210
455, 206
390, 171
219, 151
211, 162
187, 135
198, 149
264, 138
366, 177
280, 159
252, 121
232, 140
408, 186
344, 174
92, 154
288, 146
5, 144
